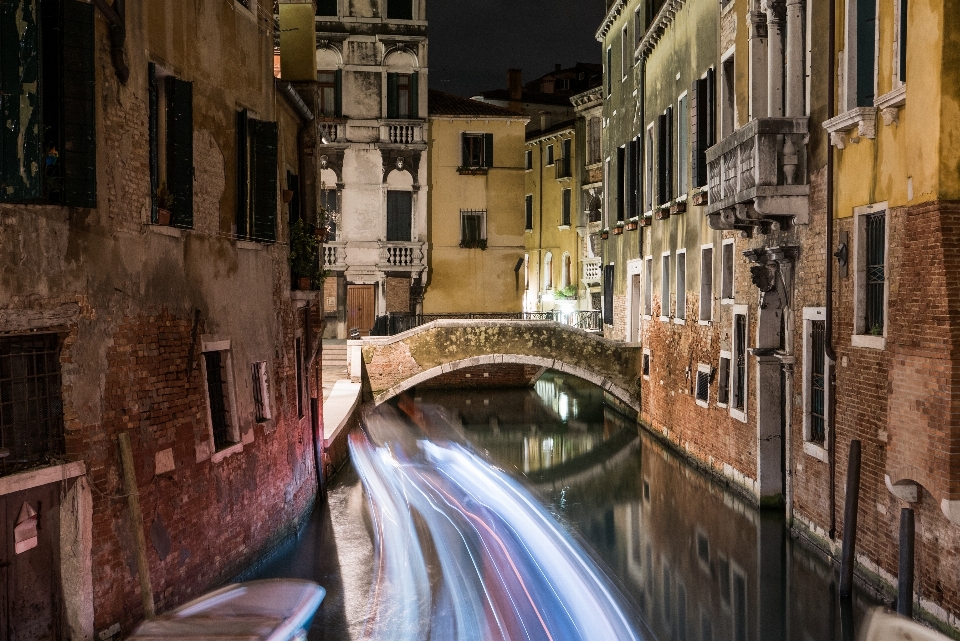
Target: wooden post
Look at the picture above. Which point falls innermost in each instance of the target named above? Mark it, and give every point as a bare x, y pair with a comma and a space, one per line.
317, 441
905, 571
136, 523
852, 503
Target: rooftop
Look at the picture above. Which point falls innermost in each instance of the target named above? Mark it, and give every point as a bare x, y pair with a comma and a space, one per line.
447, 104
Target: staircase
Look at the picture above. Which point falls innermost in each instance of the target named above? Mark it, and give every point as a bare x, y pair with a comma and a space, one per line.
334, 355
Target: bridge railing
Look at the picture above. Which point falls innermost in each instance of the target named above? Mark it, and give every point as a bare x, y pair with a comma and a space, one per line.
396, 323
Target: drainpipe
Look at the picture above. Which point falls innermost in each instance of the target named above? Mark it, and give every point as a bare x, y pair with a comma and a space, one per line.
831, 353
118, 35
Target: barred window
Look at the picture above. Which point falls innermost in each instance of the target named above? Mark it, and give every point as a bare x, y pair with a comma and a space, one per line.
740, 361
31, 408
723, 383
217, 396
703, 385
817, 387
875, 225
261, 391
473, 227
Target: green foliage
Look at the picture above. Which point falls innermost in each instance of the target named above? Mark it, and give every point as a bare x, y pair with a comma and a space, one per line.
164, 197
305, 252
569, 292
474, 244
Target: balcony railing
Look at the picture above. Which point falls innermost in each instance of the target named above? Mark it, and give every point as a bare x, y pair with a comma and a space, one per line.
401, 132
563, 168
391, 324
757, 176
400, 255
592, 270
333, 131
335, 255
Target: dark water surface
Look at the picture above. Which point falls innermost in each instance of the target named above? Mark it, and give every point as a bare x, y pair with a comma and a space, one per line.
699, 563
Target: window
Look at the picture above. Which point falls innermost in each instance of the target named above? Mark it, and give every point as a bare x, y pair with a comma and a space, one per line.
548, 271
683, 146
330, 89
870, 297
900, 59
606, 191
860, 77
648, 286
703, 385
645, 364
653, 8
565, 208
565, 271
399, 215
595, 130
400, 9
609, 70
528, 159
329, 201
723, 379
621, 182
631, 159
31, 408
298, 355
402, 90
48, 141
706, 283
625, 54
608, 275
326, 7
256, 179
681, 285
549, 155
665, 286
728, 97
648, 180
528, 212
477, 150
702, 135
261, 392
814, 380
665, 157
738, 383
637, 27
473, 228
726, 271
564, 166
221, 412
171, 147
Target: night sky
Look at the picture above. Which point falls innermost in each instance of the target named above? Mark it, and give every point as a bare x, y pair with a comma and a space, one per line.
474, 42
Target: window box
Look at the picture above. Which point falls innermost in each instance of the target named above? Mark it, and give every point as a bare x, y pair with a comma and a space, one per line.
662, 213
632, 224
646, 220
618, 229
604, 233
480, 243
678, 207
699, 198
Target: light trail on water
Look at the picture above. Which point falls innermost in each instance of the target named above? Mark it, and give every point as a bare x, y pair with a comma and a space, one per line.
465, 552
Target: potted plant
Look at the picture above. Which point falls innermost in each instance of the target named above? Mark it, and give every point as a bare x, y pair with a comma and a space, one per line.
679, 206
164, 204
566, 293
646, 219
618, 229
304, 255
605, 233
663, 212
633, 223
699, 196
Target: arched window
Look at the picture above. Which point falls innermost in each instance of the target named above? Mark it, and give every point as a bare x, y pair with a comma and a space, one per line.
403, 84
548, 271
565, 272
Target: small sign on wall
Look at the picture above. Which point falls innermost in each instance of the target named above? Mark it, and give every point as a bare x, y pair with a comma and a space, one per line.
25, 531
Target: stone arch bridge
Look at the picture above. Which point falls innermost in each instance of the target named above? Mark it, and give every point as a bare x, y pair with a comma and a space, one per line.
394, 364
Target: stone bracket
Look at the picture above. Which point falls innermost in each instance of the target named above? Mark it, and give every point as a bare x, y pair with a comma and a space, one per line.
841, 128
903, 490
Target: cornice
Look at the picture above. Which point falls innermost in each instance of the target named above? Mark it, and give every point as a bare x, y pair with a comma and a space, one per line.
612, 16
587, 97
660, 24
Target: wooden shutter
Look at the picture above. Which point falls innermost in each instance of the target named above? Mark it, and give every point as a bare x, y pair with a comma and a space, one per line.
711, 113
79, 153
627, 194
338, 93
243, 180
21, 152
415, 95
703, 129
464, 151
695, 134
154, 135
180, 150
866, 29
488, 150
903, 41
621, 161
263, 172
608, 294
393, 107
399, 218
669, 152
661, 159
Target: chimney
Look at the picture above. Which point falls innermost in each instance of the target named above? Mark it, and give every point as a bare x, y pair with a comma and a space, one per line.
515, 88
544, 120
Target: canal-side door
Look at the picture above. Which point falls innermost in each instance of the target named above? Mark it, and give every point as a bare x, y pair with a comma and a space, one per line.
360, 308
30, 604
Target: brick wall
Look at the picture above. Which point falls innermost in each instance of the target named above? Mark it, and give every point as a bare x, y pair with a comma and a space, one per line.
398, 294
485, 376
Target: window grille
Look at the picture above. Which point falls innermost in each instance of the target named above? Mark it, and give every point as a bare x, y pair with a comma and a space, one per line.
740, 354
817, 382
703, 386
706, 284
723, 385
261, 394
216, 393
472, 226
31, 408
646, 364
876, 236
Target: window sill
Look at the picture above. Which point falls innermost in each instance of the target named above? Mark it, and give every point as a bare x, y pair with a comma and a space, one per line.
722, 405
705, 323
664, 319
564, 227
249, 244
647, 316
226, 452
737, 414
528, 231
840, 128
680, 321
728, 301
703, 404
165, 230
868, 341
814, 450
646, 377
30, 479
472, 171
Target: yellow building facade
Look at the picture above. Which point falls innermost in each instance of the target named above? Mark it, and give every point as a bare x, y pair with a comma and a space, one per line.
475, 207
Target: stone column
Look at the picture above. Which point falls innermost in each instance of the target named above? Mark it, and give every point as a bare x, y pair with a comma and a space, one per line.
769, 428
775, 28
796, 67
757, 40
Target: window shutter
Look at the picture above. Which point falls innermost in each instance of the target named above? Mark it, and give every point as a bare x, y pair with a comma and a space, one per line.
903, 41
703, 131
464, 152
393, 107
711, 112
621, 162
180, 150
21, 152
628, 180
866, 26
695, 133
154, 106
243, 179
661, 159
338, 93
669, 153
263, 168
79, 153
399, 215
608, 295
415, 95
488, 150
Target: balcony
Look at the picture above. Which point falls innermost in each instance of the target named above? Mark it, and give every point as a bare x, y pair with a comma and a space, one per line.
400, 256
757, 176
563, 168
402, 132
335, 256
333, 131
591, 271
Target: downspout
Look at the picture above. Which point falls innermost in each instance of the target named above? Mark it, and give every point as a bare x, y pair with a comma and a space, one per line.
118, 35
831, 353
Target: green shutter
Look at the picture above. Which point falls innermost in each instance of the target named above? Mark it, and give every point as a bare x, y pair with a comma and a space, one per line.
338, 94
464, 151
263, 171
488, 150
661, 159
243, 180
415, 95
903, 41
866, 33
180, 150
393, 106
669, 151
79, 153
21, 152
153, 130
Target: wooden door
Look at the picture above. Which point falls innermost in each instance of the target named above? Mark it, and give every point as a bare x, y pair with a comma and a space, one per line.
361, 312
30, 605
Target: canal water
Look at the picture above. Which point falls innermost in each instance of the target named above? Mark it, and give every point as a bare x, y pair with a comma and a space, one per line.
693, 559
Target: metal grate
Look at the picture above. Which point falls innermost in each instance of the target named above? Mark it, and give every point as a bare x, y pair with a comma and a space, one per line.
740, 353
216, 394
817, 370
876, 236
703, 386
723, 385
31, 408
260, 392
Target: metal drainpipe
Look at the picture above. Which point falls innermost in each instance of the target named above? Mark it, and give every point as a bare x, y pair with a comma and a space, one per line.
643, 155
831, 354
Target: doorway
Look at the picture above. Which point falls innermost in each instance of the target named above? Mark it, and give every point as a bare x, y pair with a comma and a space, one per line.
361, 310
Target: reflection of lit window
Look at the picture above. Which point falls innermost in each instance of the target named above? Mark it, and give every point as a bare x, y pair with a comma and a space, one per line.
564, 407
547, 444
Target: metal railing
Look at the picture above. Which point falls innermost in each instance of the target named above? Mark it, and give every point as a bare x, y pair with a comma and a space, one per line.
396, 323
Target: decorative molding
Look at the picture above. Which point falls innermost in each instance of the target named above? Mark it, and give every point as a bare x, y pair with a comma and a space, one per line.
587, 98
608, 21
657, 28
890, 105
840, 128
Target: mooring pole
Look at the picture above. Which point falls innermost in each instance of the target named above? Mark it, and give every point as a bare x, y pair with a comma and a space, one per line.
905, 571
852, 503
136, 524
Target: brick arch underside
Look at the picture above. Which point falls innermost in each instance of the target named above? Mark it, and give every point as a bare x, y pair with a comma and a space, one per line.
511, 359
